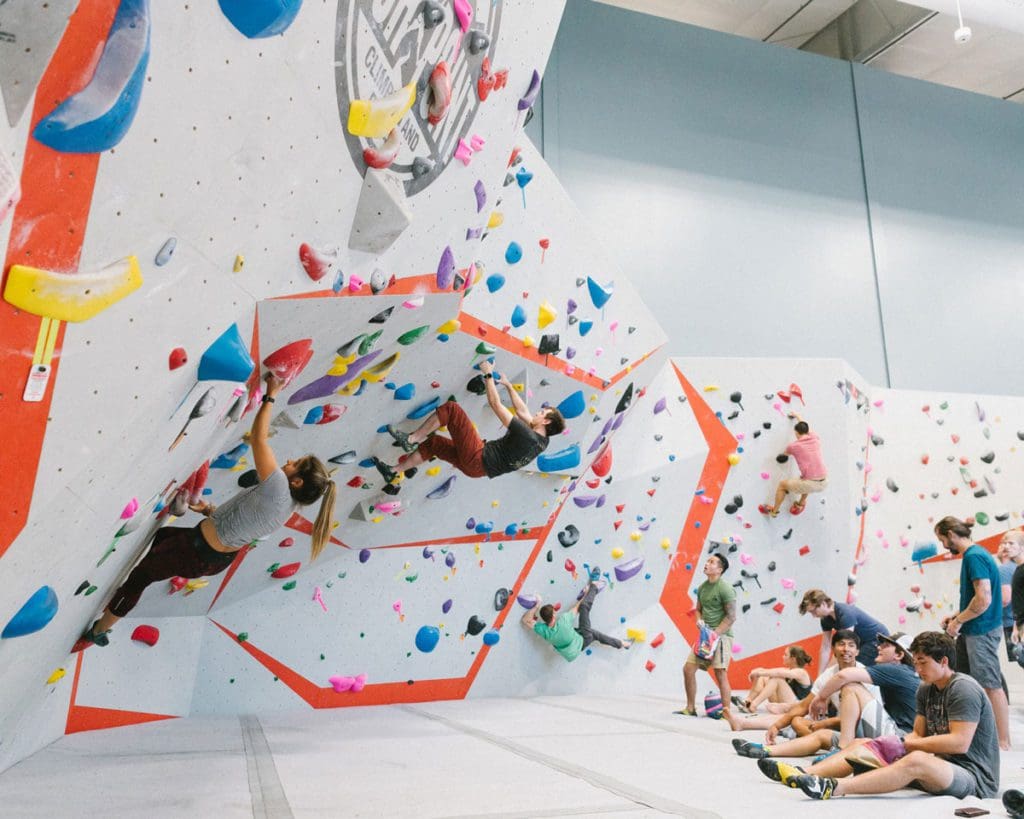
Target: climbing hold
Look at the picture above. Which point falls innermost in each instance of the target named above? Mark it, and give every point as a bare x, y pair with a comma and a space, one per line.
518, 318
439, 93
364, 555
71, 297
564, 459
424, 409
227, 359
382, 316
286, 571
981, 518
658, 640
513, 253
569, 537
501, 599
495, 282
56, 676
527, 100
411, 336
545, 315
602, 464
733, 458
426, 638
382, 214
599, 294
344, 457
446, 269
34, 614
549, 344
377, 118
146, 634
177, 358
475, 625
443, 490
405, 392
478, 41
491, 638
624, 571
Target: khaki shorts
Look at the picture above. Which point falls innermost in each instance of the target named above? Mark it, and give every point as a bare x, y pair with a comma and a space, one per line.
720, 659
805, 486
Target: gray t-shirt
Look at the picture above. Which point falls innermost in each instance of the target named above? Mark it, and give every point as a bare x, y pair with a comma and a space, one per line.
254, 512
514, 450
963, 700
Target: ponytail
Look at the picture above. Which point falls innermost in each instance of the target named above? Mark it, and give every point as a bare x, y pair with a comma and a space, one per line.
324, 519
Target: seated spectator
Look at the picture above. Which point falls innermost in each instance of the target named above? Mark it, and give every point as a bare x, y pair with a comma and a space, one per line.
858, 709
780, 687
952, 751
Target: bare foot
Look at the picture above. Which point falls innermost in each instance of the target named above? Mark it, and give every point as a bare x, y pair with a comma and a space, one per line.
735, 723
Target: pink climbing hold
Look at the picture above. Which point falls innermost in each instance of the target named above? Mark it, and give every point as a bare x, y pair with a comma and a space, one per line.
355, 284
351, 684
463, 152
130, 509
477, 142
287, 570
146, 634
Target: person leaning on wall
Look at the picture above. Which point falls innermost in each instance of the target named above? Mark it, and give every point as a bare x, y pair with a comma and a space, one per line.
209, 548
837, 616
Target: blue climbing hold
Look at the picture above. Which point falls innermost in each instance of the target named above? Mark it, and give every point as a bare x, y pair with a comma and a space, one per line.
96, 118
405, 392
568, 458
599, 294
443, 490
514, 253
424, 409
227, 359
230, 459
314, 415
260, 18
484, 528
491, 638
585, 327
573, 406
366, 463
426, 638
924, 551
495, 282
511, 530
37, 612
518, 316
443, 337
523, 177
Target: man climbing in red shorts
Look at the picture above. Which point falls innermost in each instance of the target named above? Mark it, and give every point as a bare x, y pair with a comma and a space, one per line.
526, 438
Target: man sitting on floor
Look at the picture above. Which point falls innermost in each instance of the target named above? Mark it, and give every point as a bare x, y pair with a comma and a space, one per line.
952, 751
858, 707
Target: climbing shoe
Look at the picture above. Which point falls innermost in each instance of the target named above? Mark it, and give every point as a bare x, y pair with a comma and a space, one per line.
402, 439
752, 750
816, 787
91, 638
686, 712
386, 471
780, 771
765, 509
796, 509
1013, 801
595, 574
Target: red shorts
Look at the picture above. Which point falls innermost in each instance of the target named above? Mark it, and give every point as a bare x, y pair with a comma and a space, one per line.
464, 449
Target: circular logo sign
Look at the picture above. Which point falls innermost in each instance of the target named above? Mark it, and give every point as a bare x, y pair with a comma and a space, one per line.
383, 45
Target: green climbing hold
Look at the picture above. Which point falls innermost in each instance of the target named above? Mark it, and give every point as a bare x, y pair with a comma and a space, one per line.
273, 567
485, 349
289, 585
323, 657
90, 590
232, 681
413, 335
243, 636
367, 343
412, 578
981, 518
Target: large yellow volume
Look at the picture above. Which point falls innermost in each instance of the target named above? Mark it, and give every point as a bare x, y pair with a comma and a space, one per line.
377, 118
71, 296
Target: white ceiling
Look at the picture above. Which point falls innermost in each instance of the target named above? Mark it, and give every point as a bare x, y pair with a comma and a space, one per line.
992, 63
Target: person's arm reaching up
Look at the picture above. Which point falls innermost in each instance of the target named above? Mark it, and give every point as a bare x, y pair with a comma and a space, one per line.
493, 399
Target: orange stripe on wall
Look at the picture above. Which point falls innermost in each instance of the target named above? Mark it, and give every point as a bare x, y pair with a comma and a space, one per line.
47, 231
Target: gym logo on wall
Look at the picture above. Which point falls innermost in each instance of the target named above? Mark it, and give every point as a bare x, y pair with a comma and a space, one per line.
382, 45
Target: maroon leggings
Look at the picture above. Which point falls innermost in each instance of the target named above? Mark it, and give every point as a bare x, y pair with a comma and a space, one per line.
176, 552
464, 450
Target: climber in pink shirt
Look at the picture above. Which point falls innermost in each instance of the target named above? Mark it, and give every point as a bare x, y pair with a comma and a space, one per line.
806, 451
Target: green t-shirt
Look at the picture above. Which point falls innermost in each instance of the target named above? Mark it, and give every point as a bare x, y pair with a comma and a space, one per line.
567, 641
712, 597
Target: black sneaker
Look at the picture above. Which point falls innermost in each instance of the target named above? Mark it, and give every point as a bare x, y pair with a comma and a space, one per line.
779, 771
816, 787
1013, 801
402, 439
386, 471
752, 750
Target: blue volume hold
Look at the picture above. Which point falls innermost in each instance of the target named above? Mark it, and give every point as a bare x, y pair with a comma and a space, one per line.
260, 18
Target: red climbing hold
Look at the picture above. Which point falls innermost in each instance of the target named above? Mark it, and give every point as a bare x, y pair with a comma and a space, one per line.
603, 462
805, 550
619, 507
314, 263
177, 358
146, 634
649, 665
355, 482
440, 93
177, 584
288, 361
288, 541
779, 607
287, 570
657, 641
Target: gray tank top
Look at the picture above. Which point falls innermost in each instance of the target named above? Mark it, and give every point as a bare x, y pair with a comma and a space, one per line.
254, 512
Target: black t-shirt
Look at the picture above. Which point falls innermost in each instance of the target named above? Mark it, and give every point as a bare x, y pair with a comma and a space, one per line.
866, 627
898, 683
1017, 594
513, 450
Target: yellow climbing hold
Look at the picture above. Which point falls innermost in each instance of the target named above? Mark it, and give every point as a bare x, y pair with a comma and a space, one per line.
495, 221
733, 458
239, 263
495, 504
666, 544
377, 118
710, 387
434, 470
637, 635
195, 585
476, 549
528, 341
634, 535
56, 676
340, 365
71, 296
592, 410
545, 315
378, 371
617, 552
450, 326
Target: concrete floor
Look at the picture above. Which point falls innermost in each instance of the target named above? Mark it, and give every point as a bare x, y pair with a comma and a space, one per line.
549, 756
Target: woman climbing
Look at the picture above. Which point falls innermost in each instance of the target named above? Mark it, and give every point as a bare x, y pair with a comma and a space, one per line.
209, 548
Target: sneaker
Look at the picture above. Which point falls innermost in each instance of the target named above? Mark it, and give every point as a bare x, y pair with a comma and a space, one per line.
816, 787
1013, 801
751, 750
386, 471
780, 771
686, 712
402, 439
765, 509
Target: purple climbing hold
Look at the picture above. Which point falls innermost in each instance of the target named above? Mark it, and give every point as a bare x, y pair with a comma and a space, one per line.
570, 306
660, 405
443, 490
600, 502
446, 270
471, 523
364, 555
449, 560
527, 100
527, 601
446, 606
481, 195
329, 384
583, 501
631, 568
428, 552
